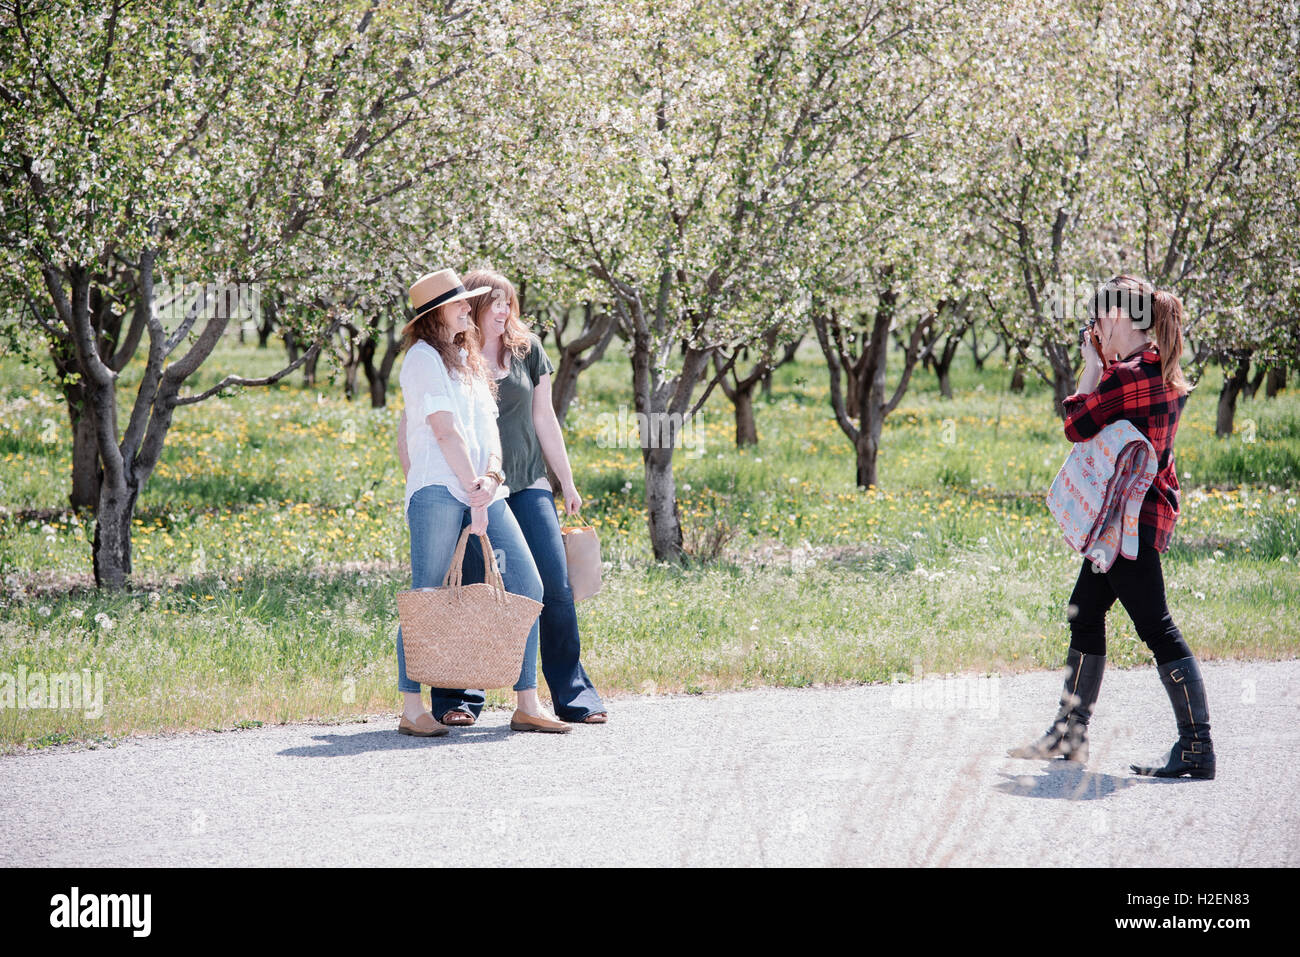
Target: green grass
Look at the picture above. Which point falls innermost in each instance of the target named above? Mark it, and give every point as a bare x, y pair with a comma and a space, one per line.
270, 543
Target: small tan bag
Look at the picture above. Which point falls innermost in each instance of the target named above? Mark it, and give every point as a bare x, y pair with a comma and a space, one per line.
466, 636
582, 555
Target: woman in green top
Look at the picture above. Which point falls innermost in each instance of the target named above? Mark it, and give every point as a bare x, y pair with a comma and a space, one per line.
530, 439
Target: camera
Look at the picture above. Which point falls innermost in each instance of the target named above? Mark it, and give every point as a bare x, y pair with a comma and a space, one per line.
1087, 330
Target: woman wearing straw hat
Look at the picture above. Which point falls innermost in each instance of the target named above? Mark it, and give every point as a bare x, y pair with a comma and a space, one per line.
531, 438
454, 478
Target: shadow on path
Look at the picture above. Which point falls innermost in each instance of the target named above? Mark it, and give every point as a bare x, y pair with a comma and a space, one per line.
346, 745
1064, 780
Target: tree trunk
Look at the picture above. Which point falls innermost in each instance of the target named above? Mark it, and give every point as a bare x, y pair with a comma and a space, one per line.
944, 370
860, 404
87, 473
579, 354
657, 446
739, 389
266, 324
743, 403
1252, 386
1232, 386
73, 296
1017, 377
309, 371
662, 512
871, 421
1275, 382
378, 391
564, 386
941, 360
868, 452
665, 405
378, 375
348, 353
112, 547
975, 348
1063, 385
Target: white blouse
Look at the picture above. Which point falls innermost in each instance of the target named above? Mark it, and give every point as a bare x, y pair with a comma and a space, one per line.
428, 386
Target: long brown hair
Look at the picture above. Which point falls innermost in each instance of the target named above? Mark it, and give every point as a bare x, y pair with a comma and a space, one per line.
1140, 300
428, 329
515, 337
1167, 324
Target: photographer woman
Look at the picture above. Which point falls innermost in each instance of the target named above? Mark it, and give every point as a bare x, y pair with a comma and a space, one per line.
1139, 379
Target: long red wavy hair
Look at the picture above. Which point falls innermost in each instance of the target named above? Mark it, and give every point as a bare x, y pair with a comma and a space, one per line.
515, 337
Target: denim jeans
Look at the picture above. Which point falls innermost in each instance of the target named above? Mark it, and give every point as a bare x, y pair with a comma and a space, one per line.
572, 693
436, 518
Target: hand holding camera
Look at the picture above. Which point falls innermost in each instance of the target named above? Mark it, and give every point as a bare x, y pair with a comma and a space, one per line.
1090, 345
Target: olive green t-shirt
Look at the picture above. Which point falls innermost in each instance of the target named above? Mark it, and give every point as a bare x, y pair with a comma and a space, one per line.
521, 453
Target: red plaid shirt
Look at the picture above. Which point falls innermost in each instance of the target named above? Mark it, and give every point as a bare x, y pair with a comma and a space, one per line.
1134, 389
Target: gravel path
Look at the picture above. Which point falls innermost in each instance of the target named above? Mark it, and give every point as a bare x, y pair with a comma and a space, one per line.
857, 776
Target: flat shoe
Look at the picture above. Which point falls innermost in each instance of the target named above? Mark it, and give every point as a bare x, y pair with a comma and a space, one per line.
457, 717
599, 717
522, 721
422, 727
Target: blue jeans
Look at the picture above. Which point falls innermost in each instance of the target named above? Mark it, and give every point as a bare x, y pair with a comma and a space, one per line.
436, 518
572, 693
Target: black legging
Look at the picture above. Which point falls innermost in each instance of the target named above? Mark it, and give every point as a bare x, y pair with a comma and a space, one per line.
1139, 584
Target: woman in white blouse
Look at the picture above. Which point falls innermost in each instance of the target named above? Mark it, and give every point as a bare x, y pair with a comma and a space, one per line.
451, 452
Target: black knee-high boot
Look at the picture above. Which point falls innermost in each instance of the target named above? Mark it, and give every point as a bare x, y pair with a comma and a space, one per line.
1193, 754
1068, 736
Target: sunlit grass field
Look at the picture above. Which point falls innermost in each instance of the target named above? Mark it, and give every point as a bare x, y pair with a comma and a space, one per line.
270, 542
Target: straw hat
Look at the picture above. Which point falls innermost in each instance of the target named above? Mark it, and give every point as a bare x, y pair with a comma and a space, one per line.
437, 288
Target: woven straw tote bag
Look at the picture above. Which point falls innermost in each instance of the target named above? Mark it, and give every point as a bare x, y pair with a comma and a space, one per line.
466, 636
